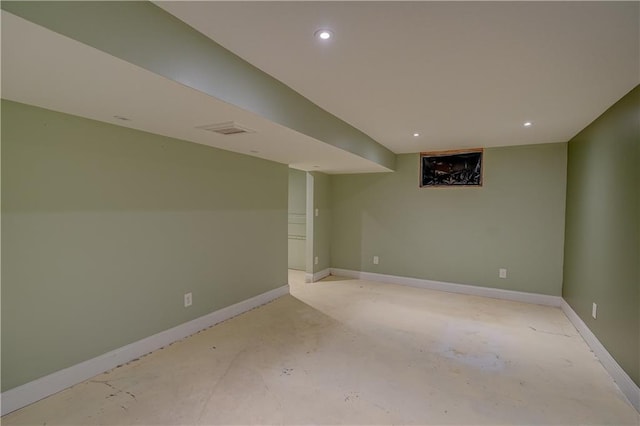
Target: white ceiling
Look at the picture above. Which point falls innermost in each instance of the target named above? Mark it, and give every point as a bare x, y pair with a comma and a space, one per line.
46, 69
463, 74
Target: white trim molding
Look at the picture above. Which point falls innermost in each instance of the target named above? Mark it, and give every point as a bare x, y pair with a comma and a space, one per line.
35, 390
622, 379
321, 274
312, 278
495, 293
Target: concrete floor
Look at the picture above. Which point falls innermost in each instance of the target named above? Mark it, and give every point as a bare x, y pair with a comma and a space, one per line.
355, 352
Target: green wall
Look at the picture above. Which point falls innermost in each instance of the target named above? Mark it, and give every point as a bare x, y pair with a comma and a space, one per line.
458, 235
297, 192
105, 228
602, 254
297, 219
320, 183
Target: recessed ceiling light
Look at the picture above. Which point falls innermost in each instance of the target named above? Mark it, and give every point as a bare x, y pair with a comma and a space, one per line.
415, 135
527, 124
323, 34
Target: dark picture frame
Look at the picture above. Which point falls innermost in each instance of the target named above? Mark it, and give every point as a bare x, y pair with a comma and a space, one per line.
451, 168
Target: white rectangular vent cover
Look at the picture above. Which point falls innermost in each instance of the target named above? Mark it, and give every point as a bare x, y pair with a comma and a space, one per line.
227, 128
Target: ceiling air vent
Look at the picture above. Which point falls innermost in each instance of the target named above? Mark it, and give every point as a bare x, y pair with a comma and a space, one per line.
228, 128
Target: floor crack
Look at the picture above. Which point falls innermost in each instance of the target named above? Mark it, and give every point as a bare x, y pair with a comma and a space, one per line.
118, 390
550, 332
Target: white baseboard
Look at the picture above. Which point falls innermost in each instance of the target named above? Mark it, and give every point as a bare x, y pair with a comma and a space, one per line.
622, 379
321, 274
33, 391
495, 293
312, 278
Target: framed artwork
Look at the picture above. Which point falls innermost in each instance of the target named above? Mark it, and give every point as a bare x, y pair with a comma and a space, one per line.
451, 168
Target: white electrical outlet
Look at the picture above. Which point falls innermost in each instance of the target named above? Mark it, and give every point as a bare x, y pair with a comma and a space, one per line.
502, 273
188, 300
594, 311
315, 261
317, 212
376, 260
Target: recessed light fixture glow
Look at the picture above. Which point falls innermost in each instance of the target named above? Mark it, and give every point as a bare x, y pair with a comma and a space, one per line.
527, 124
323, 34
415, 135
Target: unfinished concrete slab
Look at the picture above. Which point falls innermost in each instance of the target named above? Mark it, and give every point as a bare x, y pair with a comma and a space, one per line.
346, 351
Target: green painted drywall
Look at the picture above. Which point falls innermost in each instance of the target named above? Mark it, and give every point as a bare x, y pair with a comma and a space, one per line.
602, 253
141, 33
297, 219
105, 228
458, 235
321, 223
297, 191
